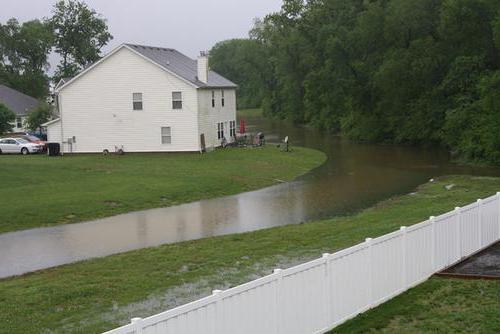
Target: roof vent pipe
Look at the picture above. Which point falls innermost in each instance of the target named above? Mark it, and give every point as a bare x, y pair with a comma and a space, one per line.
203, 67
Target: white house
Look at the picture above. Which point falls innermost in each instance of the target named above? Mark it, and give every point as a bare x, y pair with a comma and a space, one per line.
144, 99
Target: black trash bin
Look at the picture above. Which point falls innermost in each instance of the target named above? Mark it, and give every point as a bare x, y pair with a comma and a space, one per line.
54, 149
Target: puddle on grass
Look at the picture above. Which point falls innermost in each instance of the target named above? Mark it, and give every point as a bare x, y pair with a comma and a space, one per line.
185, 293
485, 263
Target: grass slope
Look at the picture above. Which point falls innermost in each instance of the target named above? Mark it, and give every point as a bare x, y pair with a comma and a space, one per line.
40, 191
100, 294
436, 306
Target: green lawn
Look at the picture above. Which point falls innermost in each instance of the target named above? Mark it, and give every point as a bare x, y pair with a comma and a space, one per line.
41, 191
100, 294
436, 306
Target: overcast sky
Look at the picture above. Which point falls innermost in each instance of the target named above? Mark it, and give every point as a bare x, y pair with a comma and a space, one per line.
186, 25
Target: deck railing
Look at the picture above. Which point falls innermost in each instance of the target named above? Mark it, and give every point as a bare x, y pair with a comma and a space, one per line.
316, 296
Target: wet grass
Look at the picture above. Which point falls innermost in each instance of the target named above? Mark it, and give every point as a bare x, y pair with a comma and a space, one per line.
38, 191
436, 306
97, 295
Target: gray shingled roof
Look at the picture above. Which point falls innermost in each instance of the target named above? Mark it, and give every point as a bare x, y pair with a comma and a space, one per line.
21, 104
181, 65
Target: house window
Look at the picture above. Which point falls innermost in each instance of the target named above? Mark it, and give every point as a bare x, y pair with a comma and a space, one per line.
213, 99
222, 99
166, 135
232, 128
176, 100
137, 101
19, 122
220, 130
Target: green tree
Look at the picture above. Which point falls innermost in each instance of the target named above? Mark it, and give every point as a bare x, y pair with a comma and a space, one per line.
245, 62
399, 71
6, 118
42, 114
80, 34
24, 50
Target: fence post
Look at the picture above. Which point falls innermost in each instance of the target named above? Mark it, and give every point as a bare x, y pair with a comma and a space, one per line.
327, 289
432, 221
219, 321
279, 281
137, 322
480, 221
459, 232
369, 265
404, 254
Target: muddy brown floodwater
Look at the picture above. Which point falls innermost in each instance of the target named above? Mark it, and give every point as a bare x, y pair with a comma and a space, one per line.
485, 264
354, 177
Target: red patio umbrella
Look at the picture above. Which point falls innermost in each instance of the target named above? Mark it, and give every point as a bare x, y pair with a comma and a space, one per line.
242, 126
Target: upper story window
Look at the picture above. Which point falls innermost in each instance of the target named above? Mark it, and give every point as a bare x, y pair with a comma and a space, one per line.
213, 99
176, 100
222, 98
137, 101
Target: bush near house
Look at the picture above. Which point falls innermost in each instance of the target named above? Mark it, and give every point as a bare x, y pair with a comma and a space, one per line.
6, 118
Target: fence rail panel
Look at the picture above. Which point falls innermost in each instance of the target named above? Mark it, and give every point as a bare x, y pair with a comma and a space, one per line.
316, 296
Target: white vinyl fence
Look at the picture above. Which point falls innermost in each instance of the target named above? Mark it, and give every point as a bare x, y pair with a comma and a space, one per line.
315, 297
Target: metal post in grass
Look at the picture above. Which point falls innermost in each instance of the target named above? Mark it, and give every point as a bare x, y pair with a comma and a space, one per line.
458, 235
137, 322
404, 255
432, 221
279, 281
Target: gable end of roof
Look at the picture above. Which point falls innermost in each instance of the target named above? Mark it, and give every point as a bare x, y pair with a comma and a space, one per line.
169, 60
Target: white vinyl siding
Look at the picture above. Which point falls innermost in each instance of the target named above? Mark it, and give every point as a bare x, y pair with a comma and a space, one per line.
54, 132
96, 108
209, 117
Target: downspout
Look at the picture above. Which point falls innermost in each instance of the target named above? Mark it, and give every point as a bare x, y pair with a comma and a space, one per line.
61, 122
198, 123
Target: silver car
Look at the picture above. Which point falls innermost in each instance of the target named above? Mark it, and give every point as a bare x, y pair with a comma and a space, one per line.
19, 146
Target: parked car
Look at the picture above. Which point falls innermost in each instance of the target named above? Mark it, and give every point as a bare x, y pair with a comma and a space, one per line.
19, 145
29, 137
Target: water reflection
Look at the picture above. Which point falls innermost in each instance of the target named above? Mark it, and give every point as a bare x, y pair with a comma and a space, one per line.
355, 176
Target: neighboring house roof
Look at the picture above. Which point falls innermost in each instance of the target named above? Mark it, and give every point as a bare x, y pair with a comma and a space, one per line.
21, 104
169, 60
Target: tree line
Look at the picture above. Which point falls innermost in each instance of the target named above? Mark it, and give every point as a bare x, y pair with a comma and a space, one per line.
421, 72
75, 32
